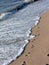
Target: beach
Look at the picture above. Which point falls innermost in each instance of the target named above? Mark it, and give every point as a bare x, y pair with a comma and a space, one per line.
37, 51
18, 26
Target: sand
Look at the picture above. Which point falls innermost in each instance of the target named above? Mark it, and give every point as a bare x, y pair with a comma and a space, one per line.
37, 51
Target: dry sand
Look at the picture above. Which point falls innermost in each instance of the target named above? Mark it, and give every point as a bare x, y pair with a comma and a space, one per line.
37, 51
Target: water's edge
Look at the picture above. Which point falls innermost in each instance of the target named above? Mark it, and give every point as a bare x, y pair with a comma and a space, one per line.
22, 50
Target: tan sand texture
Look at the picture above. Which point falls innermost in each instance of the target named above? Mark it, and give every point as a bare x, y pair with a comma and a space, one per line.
37, 51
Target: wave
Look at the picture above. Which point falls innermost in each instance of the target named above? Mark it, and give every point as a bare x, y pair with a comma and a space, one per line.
2, 15
29, 36
10, 5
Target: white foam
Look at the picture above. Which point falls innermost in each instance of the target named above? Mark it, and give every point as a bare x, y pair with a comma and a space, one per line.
20, 51
22, 48
28, 32
7, 62
37, 20
32, 36
2, 15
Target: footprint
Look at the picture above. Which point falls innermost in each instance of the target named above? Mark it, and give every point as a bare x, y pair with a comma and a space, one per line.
38, 30
25, 55
32, 46
24, 63
34, 39
38, 27
48, 55
35, 35
38, 34
28, 52
47, 64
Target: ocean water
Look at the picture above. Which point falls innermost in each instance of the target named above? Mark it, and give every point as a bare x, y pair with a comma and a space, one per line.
15, 26
6, 5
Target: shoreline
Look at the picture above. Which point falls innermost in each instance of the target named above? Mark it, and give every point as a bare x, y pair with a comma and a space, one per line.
17, 62
27, 41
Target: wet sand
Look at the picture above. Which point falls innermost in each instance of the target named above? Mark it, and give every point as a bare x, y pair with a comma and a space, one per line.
37, 51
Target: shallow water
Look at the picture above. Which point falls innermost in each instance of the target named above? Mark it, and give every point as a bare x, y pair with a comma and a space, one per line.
15, 27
